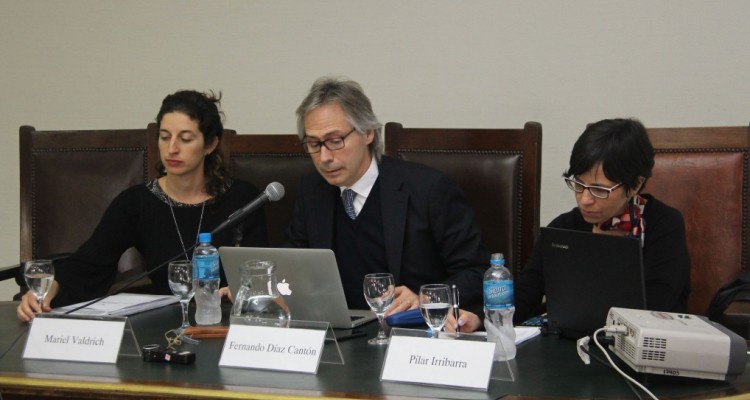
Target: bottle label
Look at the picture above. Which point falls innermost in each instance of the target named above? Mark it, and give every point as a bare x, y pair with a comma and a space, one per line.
498, 294
206, 267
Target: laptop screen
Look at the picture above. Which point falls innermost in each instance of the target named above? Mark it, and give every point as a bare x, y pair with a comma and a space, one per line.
585, 274
308, 281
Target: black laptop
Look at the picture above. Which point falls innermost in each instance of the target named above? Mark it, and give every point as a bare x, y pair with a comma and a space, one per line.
585, 274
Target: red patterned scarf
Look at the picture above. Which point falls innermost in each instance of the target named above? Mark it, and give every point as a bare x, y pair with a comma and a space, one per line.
630, 221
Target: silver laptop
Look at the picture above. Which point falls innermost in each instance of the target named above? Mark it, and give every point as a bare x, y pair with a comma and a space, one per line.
308, 280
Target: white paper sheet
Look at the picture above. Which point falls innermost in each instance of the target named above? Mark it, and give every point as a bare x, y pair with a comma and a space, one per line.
121, 304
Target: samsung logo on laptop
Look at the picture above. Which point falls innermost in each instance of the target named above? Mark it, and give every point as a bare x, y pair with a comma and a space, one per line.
559, 246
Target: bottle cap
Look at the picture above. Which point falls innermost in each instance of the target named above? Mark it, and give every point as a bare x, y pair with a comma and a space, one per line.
204, 237
497, 259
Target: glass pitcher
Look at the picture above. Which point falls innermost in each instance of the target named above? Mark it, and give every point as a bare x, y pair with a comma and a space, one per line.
258, 298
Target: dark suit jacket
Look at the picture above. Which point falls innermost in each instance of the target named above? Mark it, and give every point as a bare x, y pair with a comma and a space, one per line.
430, 232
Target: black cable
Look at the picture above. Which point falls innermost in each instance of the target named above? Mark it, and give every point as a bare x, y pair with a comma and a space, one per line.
129, 282
12, 345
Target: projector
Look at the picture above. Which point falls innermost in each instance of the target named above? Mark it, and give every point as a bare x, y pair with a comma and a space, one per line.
675, 344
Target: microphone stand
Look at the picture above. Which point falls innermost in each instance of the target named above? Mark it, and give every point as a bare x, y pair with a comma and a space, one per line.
129, 282
277, 192
133, 279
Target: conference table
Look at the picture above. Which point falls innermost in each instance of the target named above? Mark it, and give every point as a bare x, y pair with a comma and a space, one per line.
544, 367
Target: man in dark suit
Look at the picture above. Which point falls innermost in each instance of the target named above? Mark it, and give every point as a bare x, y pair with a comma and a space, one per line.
401, 217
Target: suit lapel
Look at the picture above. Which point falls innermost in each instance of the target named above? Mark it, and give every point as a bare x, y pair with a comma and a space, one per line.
395, 205
324, 201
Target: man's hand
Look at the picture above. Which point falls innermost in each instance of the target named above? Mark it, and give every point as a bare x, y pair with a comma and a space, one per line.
404, 300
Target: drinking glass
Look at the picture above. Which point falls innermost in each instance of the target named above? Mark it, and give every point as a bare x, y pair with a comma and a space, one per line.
435, 303
379, 290
181, 284
39, 275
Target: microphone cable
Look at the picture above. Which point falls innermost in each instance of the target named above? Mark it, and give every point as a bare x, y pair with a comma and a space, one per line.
12, 345
133, 279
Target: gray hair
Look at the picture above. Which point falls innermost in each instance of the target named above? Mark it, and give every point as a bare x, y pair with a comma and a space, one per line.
350, 96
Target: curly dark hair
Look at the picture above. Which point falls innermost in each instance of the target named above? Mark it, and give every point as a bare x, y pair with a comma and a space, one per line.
204, 109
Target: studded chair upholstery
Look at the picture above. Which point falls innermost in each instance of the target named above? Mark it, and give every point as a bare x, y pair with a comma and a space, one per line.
67, 179
499, 171
262, 159
703, 172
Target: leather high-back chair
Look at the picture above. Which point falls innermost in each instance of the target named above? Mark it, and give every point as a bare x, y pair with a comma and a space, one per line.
499, 171
68, 178
703, 172
262, 159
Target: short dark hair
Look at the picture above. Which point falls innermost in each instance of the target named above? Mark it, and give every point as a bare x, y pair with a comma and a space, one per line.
622, 148
202, 108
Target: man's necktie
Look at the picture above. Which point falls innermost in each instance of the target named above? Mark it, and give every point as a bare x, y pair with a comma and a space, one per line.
348, 196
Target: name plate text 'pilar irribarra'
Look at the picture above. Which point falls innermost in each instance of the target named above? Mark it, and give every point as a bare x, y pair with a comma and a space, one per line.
439, 362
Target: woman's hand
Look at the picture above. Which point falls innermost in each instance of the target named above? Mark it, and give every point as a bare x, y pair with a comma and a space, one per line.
29, 306
225, 292
467, 321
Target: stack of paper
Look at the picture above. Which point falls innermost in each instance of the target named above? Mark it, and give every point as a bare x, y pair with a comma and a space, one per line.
524, 333
121, 304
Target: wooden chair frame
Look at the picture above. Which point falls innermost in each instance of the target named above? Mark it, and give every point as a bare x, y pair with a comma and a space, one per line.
507, 159
690, 162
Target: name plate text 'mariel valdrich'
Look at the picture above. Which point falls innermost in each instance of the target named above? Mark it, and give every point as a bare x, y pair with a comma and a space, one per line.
75, 339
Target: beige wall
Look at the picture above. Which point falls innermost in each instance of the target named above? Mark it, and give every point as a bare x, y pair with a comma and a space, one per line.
107, 64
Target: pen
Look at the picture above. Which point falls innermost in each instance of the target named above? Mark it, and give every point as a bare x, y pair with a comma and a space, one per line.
455, 308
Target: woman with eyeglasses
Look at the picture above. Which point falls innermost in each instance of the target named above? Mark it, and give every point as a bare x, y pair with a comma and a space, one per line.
609, 166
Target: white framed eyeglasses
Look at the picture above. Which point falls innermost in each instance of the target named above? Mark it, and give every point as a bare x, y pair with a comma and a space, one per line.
596, 191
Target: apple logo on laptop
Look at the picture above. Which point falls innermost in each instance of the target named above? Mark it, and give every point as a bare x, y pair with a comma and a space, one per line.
283, 287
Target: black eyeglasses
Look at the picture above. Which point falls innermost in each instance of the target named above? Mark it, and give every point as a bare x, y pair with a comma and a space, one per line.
596, 191
312, 146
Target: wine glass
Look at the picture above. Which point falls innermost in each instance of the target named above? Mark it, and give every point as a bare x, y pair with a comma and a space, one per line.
435, 304
379, 290
181, 284
39, 275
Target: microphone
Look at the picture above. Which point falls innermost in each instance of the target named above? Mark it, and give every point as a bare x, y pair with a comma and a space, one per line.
274, 192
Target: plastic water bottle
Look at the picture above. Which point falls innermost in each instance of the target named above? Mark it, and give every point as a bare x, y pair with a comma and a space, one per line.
206, 281
499, 308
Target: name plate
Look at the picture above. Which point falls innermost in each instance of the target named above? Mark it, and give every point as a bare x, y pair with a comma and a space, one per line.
280, 349
75, 339
440, 362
